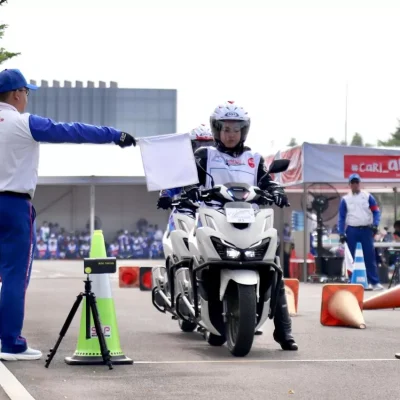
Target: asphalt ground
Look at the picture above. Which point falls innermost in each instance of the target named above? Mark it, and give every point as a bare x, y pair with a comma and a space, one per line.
332, 362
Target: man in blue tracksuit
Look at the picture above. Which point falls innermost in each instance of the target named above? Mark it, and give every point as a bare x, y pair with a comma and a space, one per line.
359, 211
20, 135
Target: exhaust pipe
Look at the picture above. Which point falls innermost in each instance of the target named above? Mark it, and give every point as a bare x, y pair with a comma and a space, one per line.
165, 298
188, 305
193, 312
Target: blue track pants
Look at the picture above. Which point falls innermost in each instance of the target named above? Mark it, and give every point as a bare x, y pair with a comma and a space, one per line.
364, 236
17, 246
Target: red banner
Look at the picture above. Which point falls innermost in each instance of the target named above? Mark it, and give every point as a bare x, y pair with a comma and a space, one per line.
295, 171
384, 167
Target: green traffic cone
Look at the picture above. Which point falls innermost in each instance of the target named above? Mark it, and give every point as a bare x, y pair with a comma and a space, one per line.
88, 350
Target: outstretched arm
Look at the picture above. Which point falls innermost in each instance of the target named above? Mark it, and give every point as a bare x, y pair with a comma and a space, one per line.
47, 131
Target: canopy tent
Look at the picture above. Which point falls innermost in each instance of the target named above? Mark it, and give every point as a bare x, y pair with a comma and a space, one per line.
378, 167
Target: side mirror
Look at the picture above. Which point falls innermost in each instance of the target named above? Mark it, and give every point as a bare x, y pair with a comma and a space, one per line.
278, 166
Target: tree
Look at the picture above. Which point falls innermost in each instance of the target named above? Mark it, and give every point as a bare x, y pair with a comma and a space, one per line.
5, 55
292, 142
332, 141
394, 141
357, 140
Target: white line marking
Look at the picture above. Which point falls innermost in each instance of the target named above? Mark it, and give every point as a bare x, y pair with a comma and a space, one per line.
12, 386
265, 361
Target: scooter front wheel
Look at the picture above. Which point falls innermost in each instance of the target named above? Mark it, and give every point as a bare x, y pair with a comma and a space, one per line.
241, 318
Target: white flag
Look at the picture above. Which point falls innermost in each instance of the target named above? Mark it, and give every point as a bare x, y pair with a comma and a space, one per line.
168, 161
348, 259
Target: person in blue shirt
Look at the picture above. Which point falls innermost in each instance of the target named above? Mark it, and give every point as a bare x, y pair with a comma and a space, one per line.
359, 214
20, 136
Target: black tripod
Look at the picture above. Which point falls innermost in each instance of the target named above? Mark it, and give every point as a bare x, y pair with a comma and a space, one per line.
91, 307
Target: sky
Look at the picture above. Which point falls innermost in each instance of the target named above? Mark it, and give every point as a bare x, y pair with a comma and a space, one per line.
287, 65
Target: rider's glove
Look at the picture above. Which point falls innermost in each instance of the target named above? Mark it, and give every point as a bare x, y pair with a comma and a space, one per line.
281, 199
164, 202
342, 239
126, 140
265, 199
193, 193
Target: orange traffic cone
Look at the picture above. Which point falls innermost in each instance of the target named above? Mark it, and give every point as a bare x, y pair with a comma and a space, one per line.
292, 295
342, 305
387, 299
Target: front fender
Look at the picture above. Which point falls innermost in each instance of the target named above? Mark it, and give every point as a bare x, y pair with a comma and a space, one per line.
241, 276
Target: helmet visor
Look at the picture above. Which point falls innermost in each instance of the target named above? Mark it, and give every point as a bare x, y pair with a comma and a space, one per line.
230, 126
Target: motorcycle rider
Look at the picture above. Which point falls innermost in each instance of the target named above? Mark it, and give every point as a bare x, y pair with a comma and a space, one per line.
200, 136
231, 161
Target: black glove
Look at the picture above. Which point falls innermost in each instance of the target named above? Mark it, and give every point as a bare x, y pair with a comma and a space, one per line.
342, 239
265, 199
374, 229
281, 199
164, 202
193, 193
126, 140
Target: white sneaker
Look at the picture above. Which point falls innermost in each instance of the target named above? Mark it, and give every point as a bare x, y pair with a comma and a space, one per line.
378, 286
28, 354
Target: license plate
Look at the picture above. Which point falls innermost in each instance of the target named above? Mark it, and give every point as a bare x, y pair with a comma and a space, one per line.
240, 215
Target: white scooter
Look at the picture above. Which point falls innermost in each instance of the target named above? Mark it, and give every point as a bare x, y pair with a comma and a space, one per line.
176, 250
230, 286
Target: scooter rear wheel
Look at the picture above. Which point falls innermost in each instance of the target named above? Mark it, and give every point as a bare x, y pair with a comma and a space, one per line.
187, 326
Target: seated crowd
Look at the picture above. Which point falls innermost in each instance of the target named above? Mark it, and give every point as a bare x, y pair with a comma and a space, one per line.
55, 243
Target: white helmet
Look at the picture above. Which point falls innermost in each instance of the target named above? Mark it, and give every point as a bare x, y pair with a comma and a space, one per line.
201, 136
201, 132
229, 111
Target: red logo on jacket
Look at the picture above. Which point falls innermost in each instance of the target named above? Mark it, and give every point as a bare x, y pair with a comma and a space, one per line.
251, 162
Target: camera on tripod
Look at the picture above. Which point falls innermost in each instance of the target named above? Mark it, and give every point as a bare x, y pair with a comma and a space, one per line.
100, 265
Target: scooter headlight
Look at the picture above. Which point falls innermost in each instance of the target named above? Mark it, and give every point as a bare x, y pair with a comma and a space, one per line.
256, 252
232, 253
225, 250
250, 254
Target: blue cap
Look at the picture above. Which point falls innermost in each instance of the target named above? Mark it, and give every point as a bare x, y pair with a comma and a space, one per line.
354, 177
12, 79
